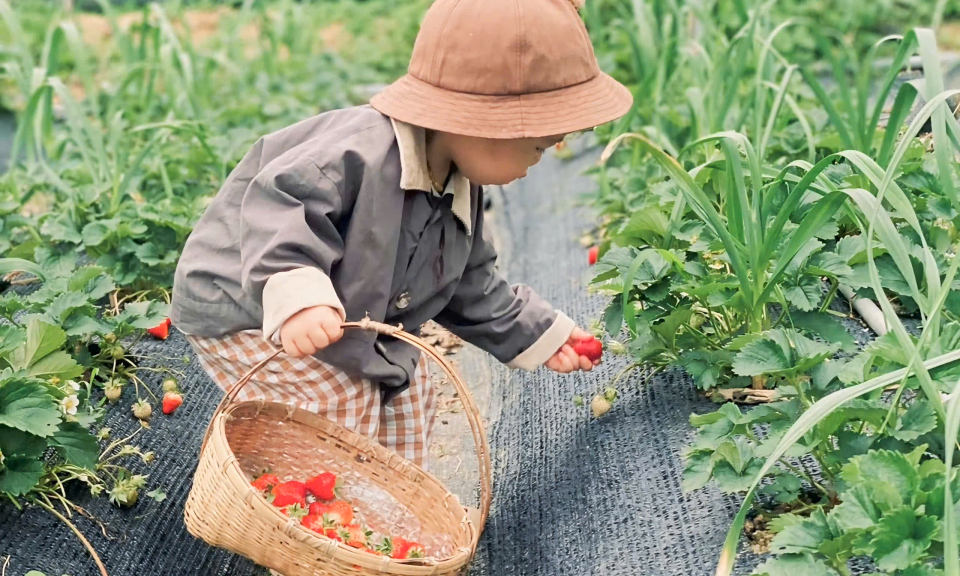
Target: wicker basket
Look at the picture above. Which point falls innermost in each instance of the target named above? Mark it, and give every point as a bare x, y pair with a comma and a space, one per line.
224, 510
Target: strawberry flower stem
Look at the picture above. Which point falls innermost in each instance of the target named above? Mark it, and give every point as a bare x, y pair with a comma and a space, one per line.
72, 526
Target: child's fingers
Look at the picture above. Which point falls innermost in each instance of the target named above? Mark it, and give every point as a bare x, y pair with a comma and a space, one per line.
289, 348
305, 345
332, 329
585, 364
318, 337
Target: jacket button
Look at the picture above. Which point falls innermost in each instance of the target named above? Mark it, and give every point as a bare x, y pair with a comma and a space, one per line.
403, 300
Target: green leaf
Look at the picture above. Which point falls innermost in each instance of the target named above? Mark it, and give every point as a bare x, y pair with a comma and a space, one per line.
785, 489
730, 481
15, 442
143, 315
919, 419
795, 565
805, 294
737, 452
649, 225
27, 405
802, 537
77, 445
697, 471
901, 538
20, 475
889, 478
759, 357
11, 338
825, 326
856, 511
158, 495
61, 229
667, 330
42, 339
705, 367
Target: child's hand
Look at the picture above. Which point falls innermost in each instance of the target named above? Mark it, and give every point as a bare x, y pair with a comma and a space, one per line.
566, 360
311, 329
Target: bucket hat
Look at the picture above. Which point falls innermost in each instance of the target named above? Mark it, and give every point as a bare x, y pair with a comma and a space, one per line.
504, 69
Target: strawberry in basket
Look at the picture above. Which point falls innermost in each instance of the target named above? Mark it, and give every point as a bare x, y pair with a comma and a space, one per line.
324, 486
265, 482
339, 513
289, 493
407, 549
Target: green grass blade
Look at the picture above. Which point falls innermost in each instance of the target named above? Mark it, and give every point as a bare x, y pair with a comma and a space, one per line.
951, 555
907, 45
836, 120
780, 94
8, 265
902, 105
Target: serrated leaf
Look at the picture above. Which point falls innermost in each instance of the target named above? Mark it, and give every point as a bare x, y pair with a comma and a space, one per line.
889, 478
697, 470
759, 357
784, 489
737, 452
649, 225
824, 326
77, 445
901, 538
704, 367
143, 315
58, 364
61, 229
919, 419
65, 303
794, 565
11, 338
731, 482
15, 442
812, 246
829, 264
802, 537
42, 339
806, 294
20, 475
855, 511
27, 405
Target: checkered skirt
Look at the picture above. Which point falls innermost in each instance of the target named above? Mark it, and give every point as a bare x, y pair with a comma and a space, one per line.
403, 424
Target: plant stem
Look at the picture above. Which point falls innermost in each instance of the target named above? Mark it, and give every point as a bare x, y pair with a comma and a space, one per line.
835, 284
86, 543
806, 477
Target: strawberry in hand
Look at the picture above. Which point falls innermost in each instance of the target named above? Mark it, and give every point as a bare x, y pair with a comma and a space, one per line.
582, 351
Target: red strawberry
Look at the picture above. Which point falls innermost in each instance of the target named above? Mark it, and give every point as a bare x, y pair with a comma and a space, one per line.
591, 348
290, 493
265, 482
340, 513
318, 508
323, 486
313, 522
171, 401
593, 254
161, 330
353, 535
405, 549
332, 533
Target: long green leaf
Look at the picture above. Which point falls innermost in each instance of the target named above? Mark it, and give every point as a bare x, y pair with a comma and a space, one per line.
8, 265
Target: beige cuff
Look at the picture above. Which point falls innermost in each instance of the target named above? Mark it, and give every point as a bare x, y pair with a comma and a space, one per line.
289, 292
546, 346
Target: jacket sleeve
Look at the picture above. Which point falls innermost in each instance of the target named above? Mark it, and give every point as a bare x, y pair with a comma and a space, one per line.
513, 323
289, 240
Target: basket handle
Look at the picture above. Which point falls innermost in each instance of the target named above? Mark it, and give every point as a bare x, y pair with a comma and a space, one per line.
470, 406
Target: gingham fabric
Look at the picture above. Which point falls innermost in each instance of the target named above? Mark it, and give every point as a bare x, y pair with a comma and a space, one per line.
403, 425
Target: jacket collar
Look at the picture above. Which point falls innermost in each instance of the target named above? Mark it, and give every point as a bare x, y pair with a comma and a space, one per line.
412, 141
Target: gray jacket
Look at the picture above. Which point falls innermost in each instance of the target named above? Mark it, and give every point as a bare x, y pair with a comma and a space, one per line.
338, 210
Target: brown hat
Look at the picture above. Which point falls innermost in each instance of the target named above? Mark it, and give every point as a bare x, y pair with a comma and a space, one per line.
504, 69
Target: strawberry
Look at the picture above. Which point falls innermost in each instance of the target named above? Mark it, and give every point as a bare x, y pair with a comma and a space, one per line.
142, 410
297, 512
405, 549
386, 546
318, 508
355, 536
323, 486
591, 348
332, 533
265, 482
340, 513
171, 401
161, 330
593, 254
289, 493
313, 522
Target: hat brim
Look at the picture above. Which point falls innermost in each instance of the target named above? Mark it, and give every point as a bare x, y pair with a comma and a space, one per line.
580, 107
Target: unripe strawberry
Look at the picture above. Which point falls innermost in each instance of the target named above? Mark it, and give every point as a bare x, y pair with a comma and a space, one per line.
170, 385
142, 410
113, 390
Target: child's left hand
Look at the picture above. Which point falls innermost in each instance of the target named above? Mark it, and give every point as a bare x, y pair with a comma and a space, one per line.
566, 360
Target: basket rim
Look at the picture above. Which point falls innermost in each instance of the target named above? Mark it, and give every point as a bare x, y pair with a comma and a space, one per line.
379, 453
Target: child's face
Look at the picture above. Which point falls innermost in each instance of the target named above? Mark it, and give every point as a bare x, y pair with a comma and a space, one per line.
488, 161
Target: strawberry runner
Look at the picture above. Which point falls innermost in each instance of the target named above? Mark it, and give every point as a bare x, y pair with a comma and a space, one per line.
404, 424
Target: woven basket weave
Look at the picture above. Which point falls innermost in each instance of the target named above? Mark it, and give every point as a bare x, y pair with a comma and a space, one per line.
224, 509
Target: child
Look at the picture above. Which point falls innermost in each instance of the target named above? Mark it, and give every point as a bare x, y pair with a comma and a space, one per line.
377, 210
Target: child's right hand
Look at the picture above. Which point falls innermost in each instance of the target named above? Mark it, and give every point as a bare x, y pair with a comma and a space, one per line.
310, 330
